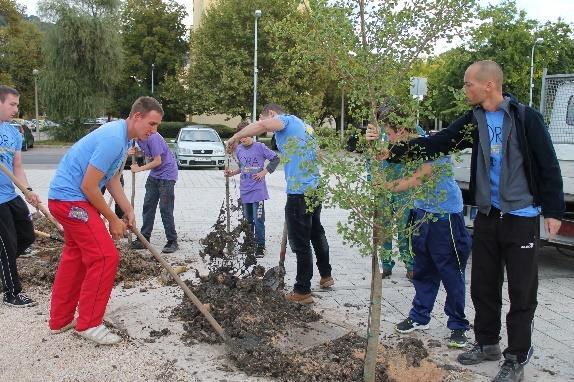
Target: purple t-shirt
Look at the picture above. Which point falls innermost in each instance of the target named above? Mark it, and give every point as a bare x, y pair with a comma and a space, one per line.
153, 146
251, 161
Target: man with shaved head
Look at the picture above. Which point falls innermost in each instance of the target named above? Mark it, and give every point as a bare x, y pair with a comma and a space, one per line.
514, 178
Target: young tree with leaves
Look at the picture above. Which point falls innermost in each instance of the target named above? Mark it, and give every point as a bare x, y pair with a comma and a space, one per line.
390, 37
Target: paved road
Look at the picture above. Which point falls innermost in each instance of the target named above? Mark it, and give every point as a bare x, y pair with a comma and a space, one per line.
43, 158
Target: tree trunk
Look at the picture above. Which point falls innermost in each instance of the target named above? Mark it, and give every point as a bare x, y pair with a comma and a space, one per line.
373, 330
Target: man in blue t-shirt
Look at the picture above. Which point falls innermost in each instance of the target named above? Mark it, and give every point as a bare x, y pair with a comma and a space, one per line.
16, 229
89, 261
296, 143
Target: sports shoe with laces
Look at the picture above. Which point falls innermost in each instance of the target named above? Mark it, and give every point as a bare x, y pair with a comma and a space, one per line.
170, 247
18, 301
480, 353
100, 335
409, 325
510, 371
458, 339
137, 244
260, 251
386, 273
326, 282
299, 298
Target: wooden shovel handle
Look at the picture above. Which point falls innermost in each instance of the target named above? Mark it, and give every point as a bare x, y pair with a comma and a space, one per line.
25, 191
283, 249
218, 329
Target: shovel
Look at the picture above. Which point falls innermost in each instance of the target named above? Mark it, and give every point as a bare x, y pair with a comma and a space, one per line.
48, 236
24, 190
274, 278
214, 324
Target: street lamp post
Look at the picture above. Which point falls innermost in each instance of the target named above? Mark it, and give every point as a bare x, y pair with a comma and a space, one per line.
152, 67
255, 70
539, 40
35, 73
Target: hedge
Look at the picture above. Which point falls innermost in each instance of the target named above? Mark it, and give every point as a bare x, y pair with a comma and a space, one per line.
171, 129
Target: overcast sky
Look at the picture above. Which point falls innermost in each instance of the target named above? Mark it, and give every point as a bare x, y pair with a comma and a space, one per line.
547, 10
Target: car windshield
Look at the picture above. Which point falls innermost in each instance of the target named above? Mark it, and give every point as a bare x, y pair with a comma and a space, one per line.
198, 136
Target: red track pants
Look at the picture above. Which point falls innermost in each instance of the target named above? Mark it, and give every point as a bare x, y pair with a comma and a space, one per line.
87, 269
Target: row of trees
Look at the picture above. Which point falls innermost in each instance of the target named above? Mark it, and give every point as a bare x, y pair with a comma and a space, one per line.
90, 61
219, 78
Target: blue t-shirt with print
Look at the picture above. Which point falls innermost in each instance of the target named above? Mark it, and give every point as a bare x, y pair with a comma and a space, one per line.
446, 198
301, 170
10, 143
104, 148
495, 123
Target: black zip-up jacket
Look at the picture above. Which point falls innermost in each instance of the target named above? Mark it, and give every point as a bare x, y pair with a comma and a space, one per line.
540, 163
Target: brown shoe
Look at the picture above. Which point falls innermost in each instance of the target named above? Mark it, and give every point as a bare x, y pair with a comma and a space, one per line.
410, 276
299, 298
326, 282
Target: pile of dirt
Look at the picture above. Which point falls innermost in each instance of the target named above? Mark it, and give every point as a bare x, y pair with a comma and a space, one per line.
244, 307
258, 321
40, 268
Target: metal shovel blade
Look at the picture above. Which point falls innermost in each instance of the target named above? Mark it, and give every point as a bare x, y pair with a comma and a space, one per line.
274, 278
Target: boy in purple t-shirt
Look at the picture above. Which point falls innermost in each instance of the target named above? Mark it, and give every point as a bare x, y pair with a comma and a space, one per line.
252, 186
159, 187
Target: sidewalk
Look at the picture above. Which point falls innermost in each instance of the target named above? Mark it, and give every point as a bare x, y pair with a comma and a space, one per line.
199, 195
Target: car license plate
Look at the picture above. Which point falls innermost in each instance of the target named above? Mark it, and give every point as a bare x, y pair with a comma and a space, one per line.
202, 159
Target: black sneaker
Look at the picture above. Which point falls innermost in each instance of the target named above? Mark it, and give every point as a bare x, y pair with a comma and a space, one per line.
137, 244
170, 247
386, 273
510, 371
18, 301
409, 325
260, 251
458, 339
480, 353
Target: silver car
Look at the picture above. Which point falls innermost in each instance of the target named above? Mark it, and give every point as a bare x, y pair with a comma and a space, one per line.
199, 146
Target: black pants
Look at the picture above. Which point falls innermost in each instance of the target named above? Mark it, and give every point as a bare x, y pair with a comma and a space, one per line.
304, 230
505, 241
16, 234
160, 191
117, 209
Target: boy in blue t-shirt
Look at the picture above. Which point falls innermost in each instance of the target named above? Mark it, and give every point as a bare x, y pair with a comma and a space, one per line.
296, 143
16, 229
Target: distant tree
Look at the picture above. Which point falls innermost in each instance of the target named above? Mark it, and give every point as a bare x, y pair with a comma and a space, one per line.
220, 76
506, 36
153, 32
83, 57
20, 53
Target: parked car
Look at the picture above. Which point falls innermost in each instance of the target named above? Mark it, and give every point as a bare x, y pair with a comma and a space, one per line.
199, 146
27, 136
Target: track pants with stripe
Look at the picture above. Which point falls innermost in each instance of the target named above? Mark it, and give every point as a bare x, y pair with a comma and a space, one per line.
87, 269
16, 234
441, 246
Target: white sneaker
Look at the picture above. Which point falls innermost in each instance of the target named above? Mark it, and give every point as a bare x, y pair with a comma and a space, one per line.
68, 326
100, 335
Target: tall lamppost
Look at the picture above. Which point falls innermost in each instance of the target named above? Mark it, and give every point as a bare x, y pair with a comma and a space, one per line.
255, 70
539, 40
152, 67
35, 73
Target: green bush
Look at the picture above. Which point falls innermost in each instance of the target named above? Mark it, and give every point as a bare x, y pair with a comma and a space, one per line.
170, 129
68, 132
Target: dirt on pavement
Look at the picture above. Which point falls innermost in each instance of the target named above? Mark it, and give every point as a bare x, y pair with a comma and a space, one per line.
40, 268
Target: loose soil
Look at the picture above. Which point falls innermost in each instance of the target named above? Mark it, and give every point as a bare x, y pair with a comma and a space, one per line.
40, 269
255, 318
